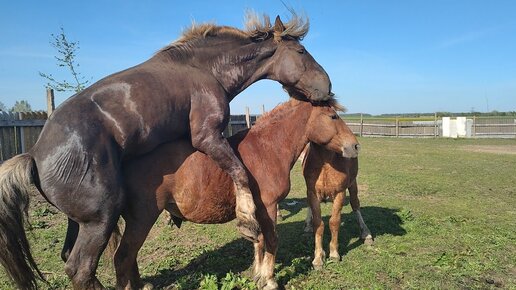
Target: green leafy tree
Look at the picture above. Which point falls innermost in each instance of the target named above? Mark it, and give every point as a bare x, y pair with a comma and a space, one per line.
66, 53
3, 107
21, 106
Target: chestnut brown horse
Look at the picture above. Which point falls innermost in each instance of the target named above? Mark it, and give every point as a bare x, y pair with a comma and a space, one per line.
327, 176
192, 187
182, 92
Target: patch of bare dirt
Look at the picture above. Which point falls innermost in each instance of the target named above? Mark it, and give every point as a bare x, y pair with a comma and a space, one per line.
495, 149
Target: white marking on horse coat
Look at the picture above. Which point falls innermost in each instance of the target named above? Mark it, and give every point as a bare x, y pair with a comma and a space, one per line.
111, 118
229, 70
67, 160
128, 104
364, 230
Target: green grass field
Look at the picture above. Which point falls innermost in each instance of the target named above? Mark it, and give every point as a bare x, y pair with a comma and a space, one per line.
443, 215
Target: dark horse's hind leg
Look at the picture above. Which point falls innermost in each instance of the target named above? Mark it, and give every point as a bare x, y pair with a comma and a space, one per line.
83, 260
93, 199
71, 236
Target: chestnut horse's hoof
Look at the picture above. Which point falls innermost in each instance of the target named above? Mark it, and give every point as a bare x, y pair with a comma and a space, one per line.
267, 284
335, 256
317, 265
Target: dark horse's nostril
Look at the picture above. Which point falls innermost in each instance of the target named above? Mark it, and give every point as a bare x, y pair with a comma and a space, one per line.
357, 147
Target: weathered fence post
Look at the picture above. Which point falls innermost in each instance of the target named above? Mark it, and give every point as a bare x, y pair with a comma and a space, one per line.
50, 101
263, 109
397, 127
435, 125
474, 127
361, 124
247, 117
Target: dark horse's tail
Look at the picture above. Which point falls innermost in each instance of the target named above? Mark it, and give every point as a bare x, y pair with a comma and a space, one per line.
17, 176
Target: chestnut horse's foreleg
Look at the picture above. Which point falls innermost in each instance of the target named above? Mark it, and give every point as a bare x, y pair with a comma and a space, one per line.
206, 127
258, 257
338, 202
365, 234
279, 217
308, 221
265, 275
318, 227
139, 219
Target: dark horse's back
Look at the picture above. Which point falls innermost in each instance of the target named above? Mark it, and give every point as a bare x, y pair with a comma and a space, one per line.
121, 116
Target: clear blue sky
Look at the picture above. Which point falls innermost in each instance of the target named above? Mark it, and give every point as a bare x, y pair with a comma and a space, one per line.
382, 56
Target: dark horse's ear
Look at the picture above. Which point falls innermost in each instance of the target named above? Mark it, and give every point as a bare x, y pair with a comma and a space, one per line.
278, 29
278, 25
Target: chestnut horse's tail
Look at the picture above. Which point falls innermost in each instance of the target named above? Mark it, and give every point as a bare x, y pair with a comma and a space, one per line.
17, 175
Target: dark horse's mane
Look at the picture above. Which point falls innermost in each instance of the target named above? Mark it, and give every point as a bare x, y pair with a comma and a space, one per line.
257, 28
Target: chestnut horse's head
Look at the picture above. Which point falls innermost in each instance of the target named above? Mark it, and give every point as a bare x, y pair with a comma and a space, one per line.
292, 64
326, 128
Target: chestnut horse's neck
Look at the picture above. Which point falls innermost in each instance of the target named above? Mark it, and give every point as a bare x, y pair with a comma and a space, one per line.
280, 136
235, 63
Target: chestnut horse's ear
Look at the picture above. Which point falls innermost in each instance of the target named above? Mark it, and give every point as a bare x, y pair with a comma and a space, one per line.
278, 25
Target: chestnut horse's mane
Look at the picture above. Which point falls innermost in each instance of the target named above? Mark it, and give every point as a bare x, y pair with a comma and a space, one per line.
283, 108
257, 28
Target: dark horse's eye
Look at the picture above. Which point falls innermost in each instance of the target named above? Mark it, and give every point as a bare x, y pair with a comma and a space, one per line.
301, 51
334, 117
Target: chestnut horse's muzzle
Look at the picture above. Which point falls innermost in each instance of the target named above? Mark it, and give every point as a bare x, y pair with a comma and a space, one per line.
350, 150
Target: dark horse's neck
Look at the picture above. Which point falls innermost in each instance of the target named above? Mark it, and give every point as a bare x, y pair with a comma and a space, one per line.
235, 63
278, 138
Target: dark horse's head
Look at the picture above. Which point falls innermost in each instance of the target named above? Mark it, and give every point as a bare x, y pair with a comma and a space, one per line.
292, 65
237, 58
296, 69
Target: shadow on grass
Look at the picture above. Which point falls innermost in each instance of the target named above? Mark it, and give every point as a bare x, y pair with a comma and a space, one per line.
294, 252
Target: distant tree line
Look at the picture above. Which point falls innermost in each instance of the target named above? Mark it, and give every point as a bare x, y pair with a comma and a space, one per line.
19, 106
439, 114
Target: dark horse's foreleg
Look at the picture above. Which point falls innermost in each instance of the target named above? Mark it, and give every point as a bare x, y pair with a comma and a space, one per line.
71, 236
207, 137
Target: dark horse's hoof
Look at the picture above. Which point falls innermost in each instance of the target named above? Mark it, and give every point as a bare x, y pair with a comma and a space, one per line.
249, 229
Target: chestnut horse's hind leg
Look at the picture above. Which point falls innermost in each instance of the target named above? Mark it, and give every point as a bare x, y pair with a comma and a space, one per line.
365, 234
139, 220
71, 236
338, 201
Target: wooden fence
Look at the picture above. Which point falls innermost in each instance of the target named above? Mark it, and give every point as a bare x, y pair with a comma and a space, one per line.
19, 131
395, 127
494, 127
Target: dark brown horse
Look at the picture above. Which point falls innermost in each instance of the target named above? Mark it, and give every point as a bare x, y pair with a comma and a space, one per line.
327, 176
182, 92
192, 187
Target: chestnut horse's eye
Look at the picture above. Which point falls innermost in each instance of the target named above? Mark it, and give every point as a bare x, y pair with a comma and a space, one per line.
334, 117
